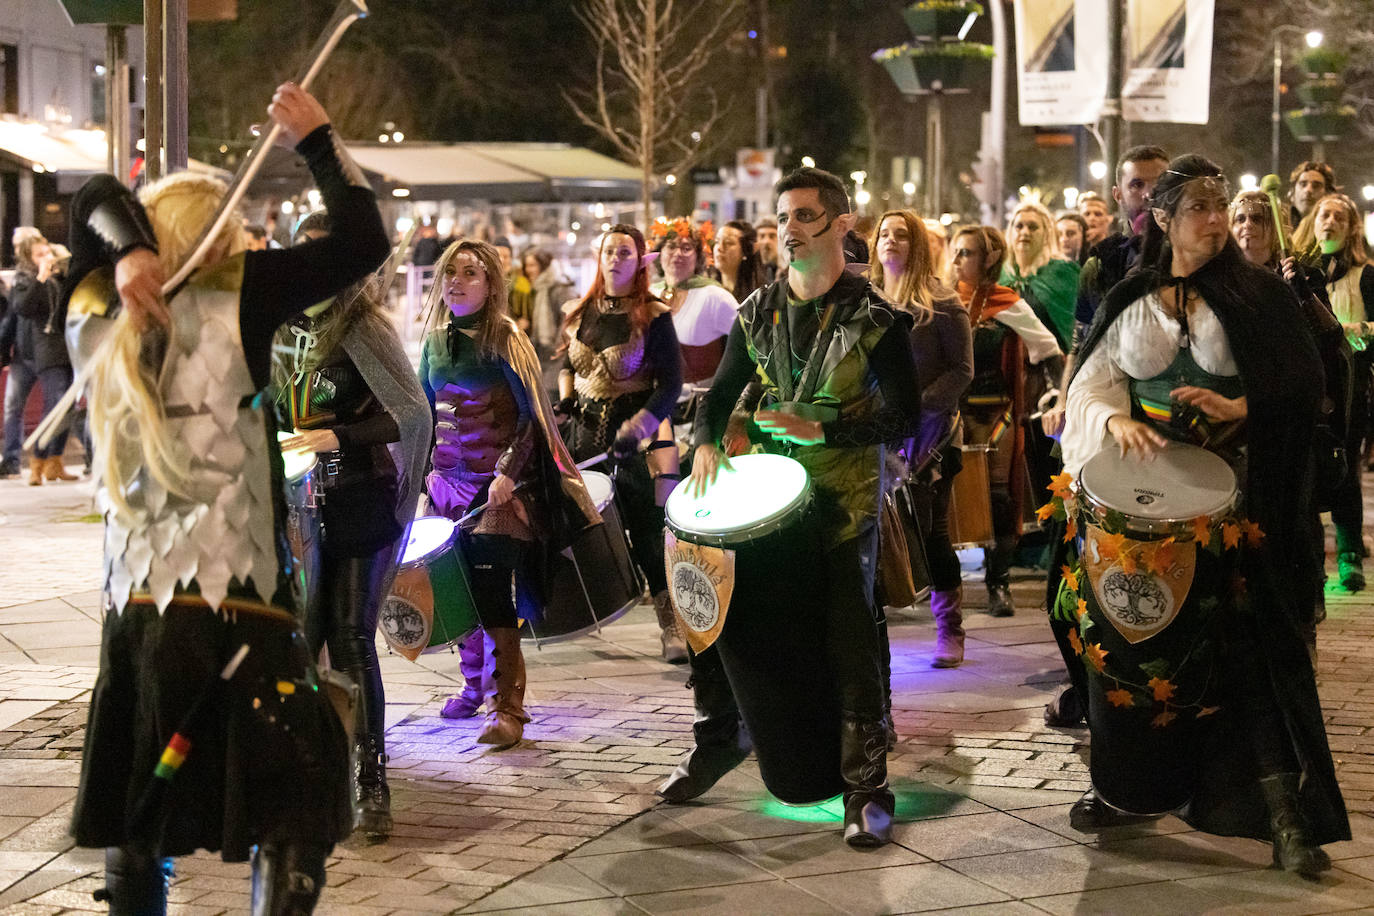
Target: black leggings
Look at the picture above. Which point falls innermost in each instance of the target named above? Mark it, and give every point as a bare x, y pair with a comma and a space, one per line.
931, 504
1347, 504
350, 598
494, 560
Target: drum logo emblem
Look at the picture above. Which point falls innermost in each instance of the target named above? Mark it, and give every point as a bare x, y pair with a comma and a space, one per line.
700, 581
404, 626
1143, 602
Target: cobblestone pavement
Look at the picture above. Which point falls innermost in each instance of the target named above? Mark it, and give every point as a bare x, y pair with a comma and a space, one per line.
567, 823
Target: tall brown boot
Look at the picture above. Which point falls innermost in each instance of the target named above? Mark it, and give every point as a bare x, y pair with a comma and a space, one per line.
472, 656
947, 606
674, 646
54, 470
506, 718
35, 472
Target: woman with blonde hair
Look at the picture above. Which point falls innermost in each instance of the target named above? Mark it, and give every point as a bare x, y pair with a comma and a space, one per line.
207, 726
1036, 270
1334, 226
496, 445
942, 345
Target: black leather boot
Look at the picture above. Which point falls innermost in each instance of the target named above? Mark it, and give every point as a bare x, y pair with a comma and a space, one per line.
135, 882
721, 743
868, 802
288, 878
1293, 850
371, 795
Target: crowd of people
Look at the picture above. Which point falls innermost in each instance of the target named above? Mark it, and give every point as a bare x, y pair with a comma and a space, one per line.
938, 388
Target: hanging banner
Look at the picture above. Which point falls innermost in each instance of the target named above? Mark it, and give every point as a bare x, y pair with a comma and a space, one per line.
1061, 60
1168, 65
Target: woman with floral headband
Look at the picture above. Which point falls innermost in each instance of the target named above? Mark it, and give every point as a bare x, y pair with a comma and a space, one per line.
1214, 712
621, 377
702, 309
496, 444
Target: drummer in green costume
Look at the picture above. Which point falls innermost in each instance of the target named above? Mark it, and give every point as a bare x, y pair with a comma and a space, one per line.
495, 446
1198, 346
839, 381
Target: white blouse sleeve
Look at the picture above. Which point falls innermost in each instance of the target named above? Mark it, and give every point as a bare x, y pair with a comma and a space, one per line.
719, 313
1040, 342
1099, 391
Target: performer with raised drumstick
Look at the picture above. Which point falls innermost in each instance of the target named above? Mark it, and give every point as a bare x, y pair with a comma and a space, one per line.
621, 378
1201, 697
496, 445
207, 729
829, 344
346, 389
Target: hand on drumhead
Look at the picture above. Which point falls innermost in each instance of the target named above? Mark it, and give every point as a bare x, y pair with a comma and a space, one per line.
311, 440
707, 462
789, 427
1132, 434
501, 490
1212, 405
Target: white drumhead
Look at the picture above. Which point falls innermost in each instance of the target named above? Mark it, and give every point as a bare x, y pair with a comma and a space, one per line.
295, 464
757, 489
427, 536
598, 488
1181, 482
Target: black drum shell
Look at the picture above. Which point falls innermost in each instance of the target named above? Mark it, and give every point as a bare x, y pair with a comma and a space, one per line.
773, 650
1136, 766
602, 556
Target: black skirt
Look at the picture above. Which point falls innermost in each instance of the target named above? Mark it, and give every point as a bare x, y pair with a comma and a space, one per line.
268, 756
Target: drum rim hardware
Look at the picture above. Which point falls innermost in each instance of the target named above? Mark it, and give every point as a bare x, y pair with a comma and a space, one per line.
1180, 525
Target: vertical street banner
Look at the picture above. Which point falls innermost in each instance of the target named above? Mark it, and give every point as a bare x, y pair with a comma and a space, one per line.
1061, 61
1168, 63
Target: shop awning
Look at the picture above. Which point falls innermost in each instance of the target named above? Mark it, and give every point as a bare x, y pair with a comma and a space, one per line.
72, 155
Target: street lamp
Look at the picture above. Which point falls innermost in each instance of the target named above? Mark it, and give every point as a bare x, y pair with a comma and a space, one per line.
1314, 39
1249, 182
1368, 191
1097, 169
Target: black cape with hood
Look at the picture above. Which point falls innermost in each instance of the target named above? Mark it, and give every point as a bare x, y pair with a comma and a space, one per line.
1281, 373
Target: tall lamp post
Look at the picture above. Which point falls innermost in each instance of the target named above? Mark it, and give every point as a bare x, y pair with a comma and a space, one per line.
1314, 39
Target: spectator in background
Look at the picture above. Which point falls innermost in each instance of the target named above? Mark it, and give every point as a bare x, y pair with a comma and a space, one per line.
549, 289
1097, 215
1038, 273
1309, 183
767, 229
521, 297
254, 237
1072, 229
737, 261
33, 334
427, 246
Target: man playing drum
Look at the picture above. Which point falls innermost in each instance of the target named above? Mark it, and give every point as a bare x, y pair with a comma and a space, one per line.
1201, 697
829, 348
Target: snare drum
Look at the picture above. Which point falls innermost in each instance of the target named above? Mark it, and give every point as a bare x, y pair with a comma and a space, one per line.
970, 501
595, 580
758, 562
431, 605
304, 527
1144, 617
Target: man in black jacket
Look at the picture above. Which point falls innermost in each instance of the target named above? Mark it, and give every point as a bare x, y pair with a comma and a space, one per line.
31, 334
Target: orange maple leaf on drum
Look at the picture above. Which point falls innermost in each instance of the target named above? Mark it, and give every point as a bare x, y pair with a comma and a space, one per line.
1163, 719
1120, 698
1128, 563
1206, 711
1075, 642
1097, 656
1070, 531
1070, 578
1082, 608
1110, 545
1045, 512
1059, 485
1163, 557
1163, 688
1230, 535
1253, 534
1202, 529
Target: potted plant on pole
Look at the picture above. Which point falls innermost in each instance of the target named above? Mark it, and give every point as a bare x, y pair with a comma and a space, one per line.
940, 19
1323, 117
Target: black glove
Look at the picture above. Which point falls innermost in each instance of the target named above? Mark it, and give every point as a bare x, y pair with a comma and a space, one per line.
567, 407
624, 447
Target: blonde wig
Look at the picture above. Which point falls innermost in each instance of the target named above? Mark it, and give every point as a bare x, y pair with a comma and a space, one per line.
1051, 249
495, 326
127, 416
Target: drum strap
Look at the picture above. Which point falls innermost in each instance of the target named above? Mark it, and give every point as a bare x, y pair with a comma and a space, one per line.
806, 386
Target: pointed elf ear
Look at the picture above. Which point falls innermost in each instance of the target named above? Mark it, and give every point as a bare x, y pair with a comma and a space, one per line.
1161, 217
648, 260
